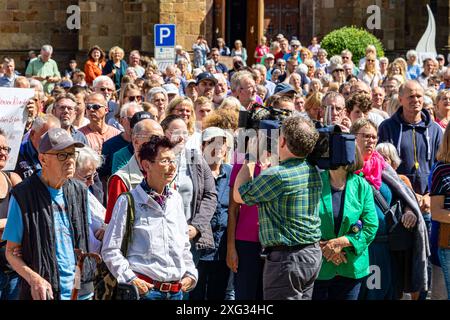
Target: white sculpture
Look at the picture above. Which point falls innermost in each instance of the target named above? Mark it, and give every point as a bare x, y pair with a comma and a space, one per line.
426, 47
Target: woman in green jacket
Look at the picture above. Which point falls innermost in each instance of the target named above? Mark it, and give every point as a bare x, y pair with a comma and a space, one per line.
348, 224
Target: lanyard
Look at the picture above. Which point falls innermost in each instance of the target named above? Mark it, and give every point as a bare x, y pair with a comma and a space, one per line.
416, 162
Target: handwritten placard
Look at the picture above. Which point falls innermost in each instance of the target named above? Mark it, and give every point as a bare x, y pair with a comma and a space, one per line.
13, 117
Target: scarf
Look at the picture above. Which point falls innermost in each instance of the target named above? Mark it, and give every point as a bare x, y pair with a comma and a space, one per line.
159, 198
372, 169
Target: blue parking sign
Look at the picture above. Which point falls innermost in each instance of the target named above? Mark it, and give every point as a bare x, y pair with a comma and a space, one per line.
165, 35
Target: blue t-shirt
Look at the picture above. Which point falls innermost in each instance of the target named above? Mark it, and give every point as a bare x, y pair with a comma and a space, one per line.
65, 254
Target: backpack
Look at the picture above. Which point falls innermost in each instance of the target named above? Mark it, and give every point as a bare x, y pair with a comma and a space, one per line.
106, 286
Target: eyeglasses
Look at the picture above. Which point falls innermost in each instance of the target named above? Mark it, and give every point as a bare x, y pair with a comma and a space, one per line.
165, 162
367, 136
92, 106
337, 109
91, 176
69, 108
103, 89
5, 149
62, 156
134, 98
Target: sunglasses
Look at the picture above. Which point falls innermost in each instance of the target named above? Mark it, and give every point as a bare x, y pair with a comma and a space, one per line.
134, 98
92, 106
103, 89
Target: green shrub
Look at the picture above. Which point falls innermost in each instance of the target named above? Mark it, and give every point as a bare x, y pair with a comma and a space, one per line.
354, 39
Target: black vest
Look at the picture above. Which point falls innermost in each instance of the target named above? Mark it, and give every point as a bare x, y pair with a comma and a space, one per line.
38, 243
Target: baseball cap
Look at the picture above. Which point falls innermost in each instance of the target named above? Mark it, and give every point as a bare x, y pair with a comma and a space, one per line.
57, 139
270, 56
295, 43
284, 88
139, 116
66, 84
213, 132
171, 88
206, 76
280, 36
189, 82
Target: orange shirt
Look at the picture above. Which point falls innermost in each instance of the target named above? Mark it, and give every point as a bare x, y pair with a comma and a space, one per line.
92, 70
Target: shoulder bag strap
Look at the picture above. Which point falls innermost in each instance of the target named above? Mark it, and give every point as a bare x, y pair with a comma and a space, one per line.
129, 224
380, 201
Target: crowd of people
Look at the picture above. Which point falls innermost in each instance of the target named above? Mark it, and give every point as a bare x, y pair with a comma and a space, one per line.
143, 167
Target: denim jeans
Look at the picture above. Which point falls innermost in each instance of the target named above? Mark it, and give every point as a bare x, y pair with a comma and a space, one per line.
338, 288
158, 295
9, 285
444, 258
423, 294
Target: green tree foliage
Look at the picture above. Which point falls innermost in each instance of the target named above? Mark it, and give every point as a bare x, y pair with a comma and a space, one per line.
354, 39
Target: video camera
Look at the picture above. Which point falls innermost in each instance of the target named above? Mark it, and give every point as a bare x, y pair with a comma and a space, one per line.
259, 116
333, 149
263, 120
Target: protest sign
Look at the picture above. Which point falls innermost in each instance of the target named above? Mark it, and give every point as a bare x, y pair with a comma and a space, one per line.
13, 117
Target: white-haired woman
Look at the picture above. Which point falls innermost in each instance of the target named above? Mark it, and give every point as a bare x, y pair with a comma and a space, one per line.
88, 161
414, 70
158, 97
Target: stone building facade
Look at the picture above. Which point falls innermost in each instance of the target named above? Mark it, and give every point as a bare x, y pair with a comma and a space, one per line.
28, 24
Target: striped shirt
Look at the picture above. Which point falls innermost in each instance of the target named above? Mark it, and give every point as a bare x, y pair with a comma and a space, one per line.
440, 182
288, 198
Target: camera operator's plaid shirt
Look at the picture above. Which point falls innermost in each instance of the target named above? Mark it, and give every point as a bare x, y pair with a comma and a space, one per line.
288, 198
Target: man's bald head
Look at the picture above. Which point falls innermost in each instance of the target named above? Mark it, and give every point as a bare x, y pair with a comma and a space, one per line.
410, 85
96, 98
411, 98
148, 127
142, 132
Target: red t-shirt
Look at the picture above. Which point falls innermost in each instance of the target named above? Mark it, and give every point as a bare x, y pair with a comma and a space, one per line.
261, 51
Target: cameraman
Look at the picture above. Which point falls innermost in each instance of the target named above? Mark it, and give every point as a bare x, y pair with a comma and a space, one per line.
288, 198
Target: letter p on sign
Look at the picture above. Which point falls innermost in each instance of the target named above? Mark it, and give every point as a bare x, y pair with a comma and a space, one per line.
165, 35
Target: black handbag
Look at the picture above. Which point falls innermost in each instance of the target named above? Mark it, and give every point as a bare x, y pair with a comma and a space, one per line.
399, 238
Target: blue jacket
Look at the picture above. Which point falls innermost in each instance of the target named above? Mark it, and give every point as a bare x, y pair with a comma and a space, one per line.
428, 136
27, 161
